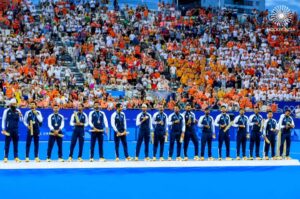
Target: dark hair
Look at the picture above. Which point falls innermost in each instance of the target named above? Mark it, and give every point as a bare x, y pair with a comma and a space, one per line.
33, 102
118, 105
177, 105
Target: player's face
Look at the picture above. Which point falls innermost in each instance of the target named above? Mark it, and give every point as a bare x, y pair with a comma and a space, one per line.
55, 109
96, 106
161, 108
144, 109
188, 108
287, 113
120, 108
32, 106
256, 110
80, 107
207, 112
223, 109
270, 115
242, 112
176, 109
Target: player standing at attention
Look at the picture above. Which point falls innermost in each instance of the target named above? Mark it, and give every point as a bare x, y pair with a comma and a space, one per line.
98, 122
119, 124
33, 121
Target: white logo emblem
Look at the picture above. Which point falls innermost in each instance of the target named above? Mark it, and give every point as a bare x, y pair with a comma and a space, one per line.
281, 15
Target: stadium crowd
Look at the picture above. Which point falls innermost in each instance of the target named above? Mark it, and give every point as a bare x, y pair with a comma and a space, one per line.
203, 57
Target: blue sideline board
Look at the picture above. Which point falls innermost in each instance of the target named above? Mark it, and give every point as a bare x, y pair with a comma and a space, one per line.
131, 127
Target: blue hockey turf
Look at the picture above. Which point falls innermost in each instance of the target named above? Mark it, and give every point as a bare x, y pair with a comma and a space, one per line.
215, 182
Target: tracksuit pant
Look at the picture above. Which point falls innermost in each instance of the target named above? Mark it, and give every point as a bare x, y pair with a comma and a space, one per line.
52, 140
78, 134
14, 136
124, 143
241, 140
272, 138
159, 139
255, 140
190, 134
285, 136
206, 138
36, 139
224, 137
175, 136
94, 138
144, 135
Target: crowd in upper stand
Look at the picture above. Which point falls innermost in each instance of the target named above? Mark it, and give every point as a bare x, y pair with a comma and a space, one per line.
204, 57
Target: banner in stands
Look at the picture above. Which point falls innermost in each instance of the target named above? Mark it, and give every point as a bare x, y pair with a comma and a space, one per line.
290, 105
131, 127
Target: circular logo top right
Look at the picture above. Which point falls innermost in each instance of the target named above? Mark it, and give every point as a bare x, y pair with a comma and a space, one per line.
281, 16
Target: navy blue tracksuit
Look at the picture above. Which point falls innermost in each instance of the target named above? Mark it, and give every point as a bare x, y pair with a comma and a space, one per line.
36, 123
190, 133
255, 133
159, 132
271, 135
285, 134
206, 133
223, 119
55, 122
176, 130
10, 123
98, 120
241, 133
78, 133
144, 132
118, 122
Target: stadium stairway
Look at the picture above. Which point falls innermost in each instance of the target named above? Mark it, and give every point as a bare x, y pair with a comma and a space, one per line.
67, 61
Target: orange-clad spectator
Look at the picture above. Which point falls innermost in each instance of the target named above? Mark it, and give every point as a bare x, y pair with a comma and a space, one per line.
171, 104
274, 107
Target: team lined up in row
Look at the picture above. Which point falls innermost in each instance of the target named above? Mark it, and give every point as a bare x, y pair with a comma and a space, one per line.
181, 128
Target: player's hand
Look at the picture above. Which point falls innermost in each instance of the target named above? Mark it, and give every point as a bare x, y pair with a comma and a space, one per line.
248, 136
207, 126
176, 121
20, 114
214, 136
161, 123
242, 126
182, 135
288, 126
